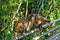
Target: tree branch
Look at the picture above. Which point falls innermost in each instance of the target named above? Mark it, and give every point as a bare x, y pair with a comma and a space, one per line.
17, 11
49, 10
26, 9
41, 4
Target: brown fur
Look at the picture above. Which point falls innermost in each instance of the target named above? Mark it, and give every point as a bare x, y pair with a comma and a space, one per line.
22, 25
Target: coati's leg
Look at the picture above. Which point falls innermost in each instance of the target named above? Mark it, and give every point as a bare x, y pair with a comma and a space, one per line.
17, 27
15, 33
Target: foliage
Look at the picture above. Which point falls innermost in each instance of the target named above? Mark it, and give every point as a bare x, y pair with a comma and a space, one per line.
50, 10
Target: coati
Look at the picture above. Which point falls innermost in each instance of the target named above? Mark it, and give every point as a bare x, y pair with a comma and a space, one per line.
25, 24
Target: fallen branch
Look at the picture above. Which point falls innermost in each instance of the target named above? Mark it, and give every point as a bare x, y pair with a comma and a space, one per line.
36, 38
44, 26
56, 36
